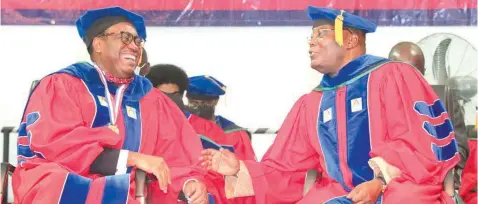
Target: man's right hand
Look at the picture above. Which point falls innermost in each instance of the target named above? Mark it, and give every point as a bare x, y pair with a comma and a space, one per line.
223, 161
153, 165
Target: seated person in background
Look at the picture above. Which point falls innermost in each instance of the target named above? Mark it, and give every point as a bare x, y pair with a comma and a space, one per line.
412, 54
203, 95
173, 81
87, 128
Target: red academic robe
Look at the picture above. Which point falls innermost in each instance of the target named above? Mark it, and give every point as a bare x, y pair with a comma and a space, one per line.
468, 177
64, 129
224, 133
371, 108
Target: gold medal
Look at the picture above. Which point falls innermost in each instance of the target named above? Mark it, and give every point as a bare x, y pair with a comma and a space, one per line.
114, 128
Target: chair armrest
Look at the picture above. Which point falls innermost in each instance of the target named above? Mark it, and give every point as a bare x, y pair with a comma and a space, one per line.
6, 169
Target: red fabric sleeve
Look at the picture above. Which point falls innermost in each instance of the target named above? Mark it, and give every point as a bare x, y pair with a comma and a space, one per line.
242, 145
238, 139
410, 131
179, 145
57, 131
279, 177
469, 178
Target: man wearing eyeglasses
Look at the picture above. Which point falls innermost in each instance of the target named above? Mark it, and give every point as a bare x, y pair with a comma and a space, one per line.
373, 129
89, 127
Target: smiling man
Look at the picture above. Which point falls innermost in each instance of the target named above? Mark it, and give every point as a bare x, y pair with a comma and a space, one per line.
374, 130
88, 127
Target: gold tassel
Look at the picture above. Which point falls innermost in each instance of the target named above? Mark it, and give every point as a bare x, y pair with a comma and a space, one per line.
339, 26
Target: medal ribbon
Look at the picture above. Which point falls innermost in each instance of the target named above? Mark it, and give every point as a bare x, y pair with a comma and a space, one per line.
112, 110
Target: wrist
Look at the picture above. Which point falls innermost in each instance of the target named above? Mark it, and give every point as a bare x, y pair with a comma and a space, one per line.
132, 158
378, 175
238, 168
379, 181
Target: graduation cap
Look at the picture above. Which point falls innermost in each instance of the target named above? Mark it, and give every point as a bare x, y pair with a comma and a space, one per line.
94, 22
205, 87
340, 19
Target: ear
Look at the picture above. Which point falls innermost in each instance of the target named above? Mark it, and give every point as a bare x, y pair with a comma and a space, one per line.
97, 45
352, 41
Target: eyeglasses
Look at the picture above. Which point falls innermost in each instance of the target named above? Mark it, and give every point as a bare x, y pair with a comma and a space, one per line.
127, 38
324, 32
321, 33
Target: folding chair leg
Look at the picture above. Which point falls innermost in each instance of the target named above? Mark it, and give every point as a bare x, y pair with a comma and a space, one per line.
6, 170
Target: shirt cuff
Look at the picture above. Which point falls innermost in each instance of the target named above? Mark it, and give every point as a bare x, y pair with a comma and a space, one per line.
243, 186
388, 171
121, 167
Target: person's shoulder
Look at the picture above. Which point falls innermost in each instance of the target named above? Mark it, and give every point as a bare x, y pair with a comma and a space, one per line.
395, 68
56, 82
223, 120
155, 94
68, 75
390, 66
230, 127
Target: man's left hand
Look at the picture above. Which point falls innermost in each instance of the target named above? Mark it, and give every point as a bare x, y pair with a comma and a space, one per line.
367, 192
196, 192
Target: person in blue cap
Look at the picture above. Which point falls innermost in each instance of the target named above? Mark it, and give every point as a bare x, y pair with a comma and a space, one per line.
173, 81
203, 95
374, 130
89, 127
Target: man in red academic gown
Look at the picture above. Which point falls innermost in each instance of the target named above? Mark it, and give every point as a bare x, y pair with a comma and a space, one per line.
87, 128
173, 81
371, 126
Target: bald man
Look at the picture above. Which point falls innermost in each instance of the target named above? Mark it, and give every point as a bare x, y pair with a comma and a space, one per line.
410, 53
